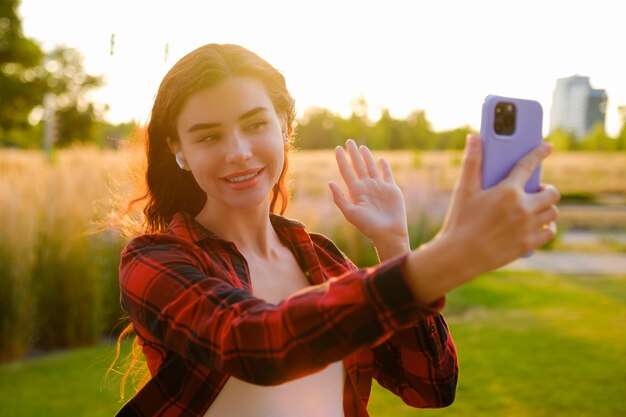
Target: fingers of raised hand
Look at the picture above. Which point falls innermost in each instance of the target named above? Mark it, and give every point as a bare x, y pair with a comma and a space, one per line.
339, 197
368, 159
385, 168
361, 163
345, 169
358, 164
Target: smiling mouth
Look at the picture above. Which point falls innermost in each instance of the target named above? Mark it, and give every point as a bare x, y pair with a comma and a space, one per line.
240, 179
243, 177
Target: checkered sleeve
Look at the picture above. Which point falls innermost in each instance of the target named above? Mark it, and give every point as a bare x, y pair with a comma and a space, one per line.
418, 363
171, 300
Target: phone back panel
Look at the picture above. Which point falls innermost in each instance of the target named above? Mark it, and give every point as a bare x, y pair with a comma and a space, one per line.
501, 152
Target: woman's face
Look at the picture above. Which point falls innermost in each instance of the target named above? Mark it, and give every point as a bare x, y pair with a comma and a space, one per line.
233, 142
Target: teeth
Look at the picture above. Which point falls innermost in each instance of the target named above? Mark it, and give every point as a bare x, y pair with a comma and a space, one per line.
242, 178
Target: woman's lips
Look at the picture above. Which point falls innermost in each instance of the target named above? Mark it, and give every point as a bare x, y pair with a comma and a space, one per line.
243, 179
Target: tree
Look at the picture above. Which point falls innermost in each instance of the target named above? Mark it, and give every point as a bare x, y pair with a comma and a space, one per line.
21, 81
390, 133
357, 126
598, 140
562, 140
453, 139
69, 85
317, 130
28, 77
422, 135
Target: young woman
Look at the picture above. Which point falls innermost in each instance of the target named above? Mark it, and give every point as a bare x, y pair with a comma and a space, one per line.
242, 312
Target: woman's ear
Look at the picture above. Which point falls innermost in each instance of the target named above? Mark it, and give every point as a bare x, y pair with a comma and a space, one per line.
174, 146
178, 154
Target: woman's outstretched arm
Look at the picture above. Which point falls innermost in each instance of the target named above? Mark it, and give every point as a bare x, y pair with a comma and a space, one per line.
483, 229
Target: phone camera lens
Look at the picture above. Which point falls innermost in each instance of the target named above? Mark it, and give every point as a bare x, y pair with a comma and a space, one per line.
504, 118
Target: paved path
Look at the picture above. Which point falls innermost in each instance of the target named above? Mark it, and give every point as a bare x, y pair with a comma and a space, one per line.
573, 263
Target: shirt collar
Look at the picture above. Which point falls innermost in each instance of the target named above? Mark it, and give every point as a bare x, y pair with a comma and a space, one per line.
185, 226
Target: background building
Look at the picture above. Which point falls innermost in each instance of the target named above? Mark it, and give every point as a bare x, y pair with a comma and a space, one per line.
576, 106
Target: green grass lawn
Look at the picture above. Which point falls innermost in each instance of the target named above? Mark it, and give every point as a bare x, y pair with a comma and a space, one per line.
529, 345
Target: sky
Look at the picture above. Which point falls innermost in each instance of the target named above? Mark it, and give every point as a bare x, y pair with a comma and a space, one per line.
440, 56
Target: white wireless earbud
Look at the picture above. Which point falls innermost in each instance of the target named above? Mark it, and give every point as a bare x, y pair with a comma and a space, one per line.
179, 160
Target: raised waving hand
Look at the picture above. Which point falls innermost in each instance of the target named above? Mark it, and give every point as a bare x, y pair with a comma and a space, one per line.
374, 203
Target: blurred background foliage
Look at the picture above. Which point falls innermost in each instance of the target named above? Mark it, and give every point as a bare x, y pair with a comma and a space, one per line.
39, 86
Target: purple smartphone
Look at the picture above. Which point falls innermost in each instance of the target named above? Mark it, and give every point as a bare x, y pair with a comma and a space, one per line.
510, 128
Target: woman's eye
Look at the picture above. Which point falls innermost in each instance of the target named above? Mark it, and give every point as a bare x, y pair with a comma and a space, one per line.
209, 138
257, 124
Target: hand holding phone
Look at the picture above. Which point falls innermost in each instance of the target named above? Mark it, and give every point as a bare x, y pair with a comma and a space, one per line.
510, 128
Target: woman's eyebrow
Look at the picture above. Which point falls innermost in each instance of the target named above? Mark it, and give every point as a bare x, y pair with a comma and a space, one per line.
205, 126
252, 112
202, 126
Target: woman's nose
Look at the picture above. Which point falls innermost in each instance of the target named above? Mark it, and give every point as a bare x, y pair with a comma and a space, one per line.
239, 149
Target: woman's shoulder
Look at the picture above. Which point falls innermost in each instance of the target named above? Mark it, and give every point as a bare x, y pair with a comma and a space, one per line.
320, 241
152, 256
326, 250
161, 249
182, 232
154, 241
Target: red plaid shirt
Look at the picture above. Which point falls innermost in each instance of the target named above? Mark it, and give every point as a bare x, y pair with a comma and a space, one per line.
188, 295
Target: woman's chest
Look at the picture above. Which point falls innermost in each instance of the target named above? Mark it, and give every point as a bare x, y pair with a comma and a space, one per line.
274, 281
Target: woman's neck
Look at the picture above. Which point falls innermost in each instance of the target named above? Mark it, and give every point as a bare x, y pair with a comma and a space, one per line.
249, 229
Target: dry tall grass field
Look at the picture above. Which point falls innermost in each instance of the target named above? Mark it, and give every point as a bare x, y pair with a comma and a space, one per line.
64, 198
84, 185
427, 178
58, 277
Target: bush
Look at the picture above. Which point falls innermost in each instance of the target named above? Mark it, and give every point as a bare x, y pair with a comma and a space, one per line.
58, 277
